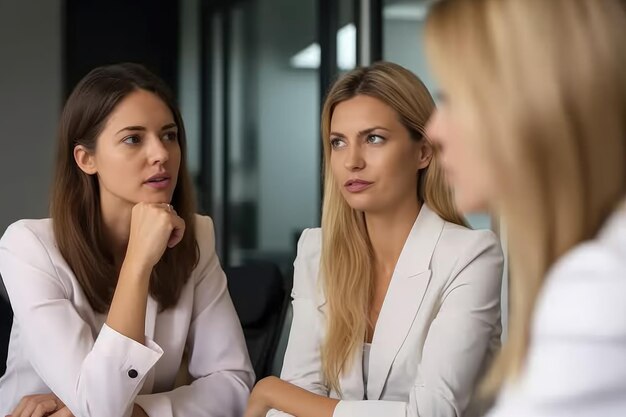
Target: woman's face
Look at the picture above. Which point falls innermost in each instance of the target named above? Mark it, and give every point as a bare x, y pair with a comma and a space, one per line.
137, 154
373, 159
452, 129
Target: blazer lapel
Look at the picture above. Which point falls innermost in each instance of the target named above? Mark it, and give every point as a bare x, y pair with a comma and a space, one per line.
152, 310
403, 299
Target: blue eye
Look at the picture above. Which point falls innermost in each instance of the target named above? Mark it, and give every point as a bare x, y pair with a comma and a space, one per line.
375, 139
337, 143
171, 136
132, 140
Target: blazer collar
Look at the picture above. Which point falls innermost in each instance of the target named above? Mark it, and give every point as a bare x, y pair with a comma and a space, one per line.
416, 253
404, 296
420, 244
406, 290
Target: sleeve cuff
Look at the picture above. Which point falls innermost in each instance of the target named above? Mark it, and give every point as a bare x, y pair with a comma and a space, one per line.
277, 413
369, 408
135, 359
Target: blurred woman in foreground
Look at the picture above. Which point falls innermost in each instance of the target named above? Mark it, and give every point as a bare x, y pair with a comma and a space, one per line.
533, 127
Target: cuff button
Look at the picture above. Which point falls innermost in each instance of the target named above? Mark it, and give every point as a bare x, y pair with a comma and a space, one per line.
133, 373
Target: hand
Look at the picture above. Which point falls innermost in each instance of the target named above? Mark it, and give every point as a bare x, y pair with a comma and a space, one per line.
153, 227
258, 405
40, 405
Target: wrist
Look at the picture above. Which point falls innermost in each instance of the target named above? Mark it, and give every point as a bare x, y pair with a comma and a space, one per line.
267, 386
134, 268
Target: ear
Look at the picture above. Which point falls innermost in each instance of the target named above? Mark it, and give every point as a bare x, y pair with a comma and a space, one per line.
85, 160
425, 154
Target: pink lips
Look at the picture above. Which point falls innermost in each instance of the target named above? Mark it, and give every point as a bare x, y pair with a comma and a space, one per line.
355, 186
159, 181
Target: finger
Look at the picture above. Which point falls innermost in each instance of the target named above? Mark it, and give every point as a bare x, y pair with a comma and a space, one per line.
178, 232
165, 206
20, 407
64, 412
59, 403
45, 407
28, 410
173, 211
26, 406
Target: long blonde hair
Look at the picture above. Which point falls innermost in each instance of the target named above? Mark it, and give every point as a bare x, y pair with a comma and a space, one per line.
346, 260
545, 85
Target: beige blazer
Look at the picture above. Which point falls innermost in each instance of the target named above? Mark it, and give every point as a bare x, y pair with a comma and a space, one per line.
59, 344
438, 327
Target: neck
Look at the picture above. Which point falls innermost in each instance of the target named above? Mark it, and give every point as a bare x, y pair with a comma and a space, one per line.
388, 233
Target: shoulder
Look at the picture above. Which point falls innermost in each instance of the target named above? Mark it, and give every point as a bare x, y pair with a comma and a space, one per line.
465, 240
29, 235
205, 234
310, 243
584, 291
203, 225
458, 246
28, 250
307, 263
205, 245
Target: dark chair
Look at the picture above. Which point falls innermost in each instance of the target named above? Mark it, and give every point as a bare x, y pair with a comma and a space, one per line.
259, 295
6, 321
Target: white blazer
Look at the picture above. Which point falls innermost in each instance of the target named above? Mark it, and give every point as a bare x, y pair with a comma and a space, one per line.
576, 364
59, 344
438, 327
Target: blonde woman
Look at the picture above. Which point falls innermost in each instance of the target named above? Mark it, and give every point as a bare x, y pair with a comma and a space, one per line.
396, 303
534, 126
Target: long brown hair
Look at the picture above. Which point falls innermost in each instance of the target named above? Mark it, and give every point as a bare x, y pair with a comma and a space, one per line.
75, 202
545, 82
347, 257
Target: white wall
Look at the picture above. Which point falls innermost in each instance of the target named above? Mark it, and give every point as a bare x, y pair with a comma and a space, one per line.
30, 103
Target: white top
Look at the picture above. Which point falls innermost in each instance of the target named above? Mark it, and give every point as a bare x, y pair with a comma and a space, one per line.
437, 330
366, 366
59, 344
576, 365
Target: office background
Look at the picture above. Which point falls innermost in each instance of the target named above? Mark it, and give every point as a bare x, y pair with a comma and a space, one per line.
250, 76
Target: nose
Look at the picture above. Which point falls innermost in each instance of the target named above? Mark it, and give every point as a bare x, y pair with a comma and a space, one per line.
354, 158
157, 151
